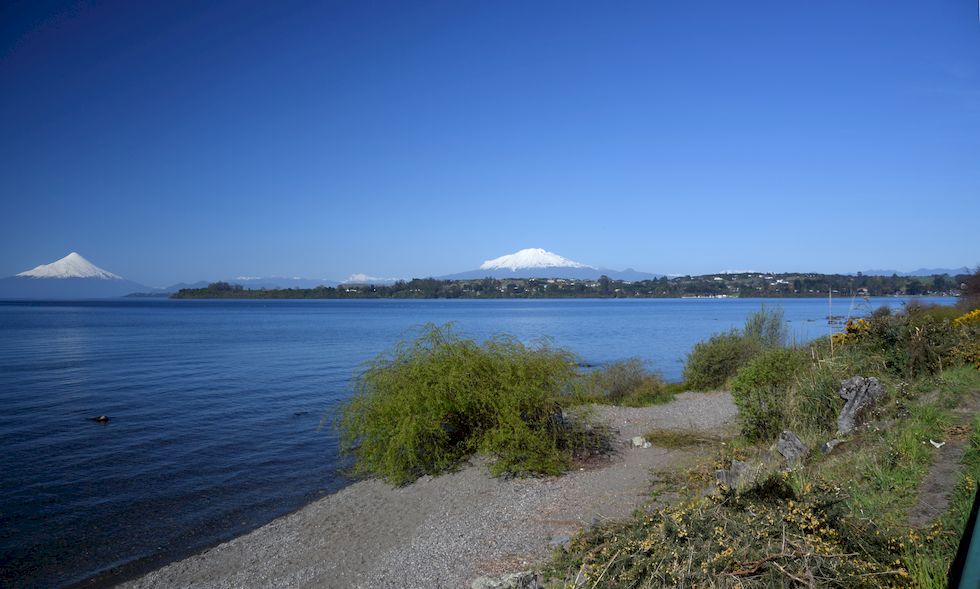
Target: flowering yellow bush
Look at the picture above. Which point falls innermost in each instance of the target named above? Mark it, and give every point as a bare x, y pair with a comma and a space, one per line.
971, 318
854, 330
967, 350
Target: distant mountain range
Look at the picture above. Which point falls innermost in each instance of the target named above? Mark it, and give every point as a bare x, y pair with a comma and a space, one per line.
920, 272
540, 263
74, 277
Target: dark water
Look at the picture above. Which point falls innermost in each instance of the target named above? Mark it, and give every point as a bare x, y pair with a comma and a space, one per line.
216, 408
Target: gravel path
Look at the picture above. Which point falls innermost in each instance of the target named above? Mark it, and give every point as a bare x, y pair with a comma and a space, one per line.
444, 531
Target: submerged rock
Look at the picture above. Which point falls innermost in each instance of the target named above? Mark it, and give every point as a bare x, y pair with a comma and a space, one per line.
861, 394
791, 447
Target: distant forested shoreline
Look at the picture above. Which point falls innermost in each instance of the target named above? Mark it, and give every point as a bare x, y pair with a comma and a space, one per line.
743, 285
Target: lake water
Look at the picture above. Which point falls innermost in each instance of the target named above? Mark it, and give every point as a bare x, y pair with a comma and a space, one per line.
216, 408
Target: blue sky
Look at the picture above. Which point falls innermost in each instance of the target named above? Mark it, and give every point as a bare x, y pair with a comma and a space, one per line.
171, 141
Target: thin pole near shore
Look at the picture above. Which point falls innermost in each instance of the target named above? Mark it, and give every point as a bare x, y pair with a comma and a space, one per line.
830, 317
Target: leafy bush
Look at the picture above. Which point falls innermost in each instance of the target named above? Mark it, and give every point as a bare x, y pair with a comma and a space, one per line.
625, 382
711, 363
762, 388
428, 404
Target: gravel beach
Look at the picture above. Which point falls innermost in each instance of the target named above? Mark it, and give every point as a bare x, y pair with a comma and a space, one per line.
447, 530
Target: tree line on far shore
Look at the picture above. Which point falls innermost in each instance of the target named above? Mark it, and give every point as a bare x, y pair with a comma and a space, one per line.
753, 284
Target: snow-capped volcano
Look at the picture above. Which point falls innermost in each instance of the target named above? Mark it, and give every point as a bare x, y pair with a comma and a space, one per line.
361, 278
71, 266
540, 263
71, 277
533, 257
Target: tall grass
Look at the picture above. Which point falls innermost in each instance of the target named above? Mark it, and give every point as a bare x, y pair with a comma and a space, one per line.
626, 382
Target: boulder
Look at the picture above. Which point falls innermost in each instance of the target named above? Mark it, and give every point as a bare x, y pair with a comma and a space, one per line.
829, 446
791, 447
521, 580
640, 442
733, 474
861, 394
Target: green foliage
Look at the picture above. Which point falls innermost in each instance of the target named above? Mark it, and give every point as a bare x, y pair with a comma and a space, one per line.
625, 382
772, 535
762, 388
711, 363
729, 285
432, 402
768, 327
840, 519
919, 341
837, 520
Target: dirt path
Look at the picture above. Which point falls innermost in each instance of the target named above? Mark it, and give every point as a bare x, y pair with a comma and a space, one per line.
936, 488
444, 531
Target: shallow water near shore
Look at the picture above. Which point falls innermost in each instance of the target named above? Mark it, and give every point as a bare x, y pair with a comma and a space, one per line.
216, 407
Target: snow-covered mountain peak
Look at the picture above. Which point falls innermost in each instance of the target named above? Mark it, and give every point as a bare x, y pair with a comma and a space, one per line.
534, 257
361, 278
71, 266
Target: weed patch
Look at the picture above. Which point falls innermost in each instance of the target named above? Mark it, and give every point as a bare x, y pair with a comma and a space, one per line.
625, 382
673, 438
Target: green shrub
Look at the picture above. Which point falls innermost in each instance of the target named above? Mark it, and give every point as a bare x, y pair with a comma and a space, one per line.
761, 390
711, 363
430, 403
625, 382
919, 341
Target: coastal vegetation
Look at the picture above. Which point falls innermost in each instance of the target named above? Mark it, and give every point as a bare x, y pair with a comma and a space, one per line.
712, 363
851, 510
849, 516
433, 401
745, 284
626, 382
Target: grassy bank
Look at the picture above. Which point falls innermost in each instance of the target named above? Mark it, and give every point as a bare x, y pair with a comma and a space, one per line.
858, 516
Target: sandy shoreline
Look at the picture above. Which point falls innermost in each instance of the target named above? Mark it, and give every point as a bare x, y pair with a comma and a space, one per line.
444, 531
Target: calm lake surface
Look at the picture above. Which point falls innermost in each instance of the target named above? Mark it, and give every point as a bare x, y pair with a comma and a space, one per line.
216, 407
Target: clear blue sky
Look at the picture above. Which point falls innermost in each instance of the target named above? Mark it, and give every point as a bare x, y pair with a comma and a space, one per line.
174, 140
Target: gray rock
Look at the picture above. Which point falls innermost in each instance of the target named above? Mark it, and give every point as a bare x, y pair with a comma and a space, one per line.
791, 447
733, 474
829, 445
521, 580
639, 441
562, 540
861, 394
